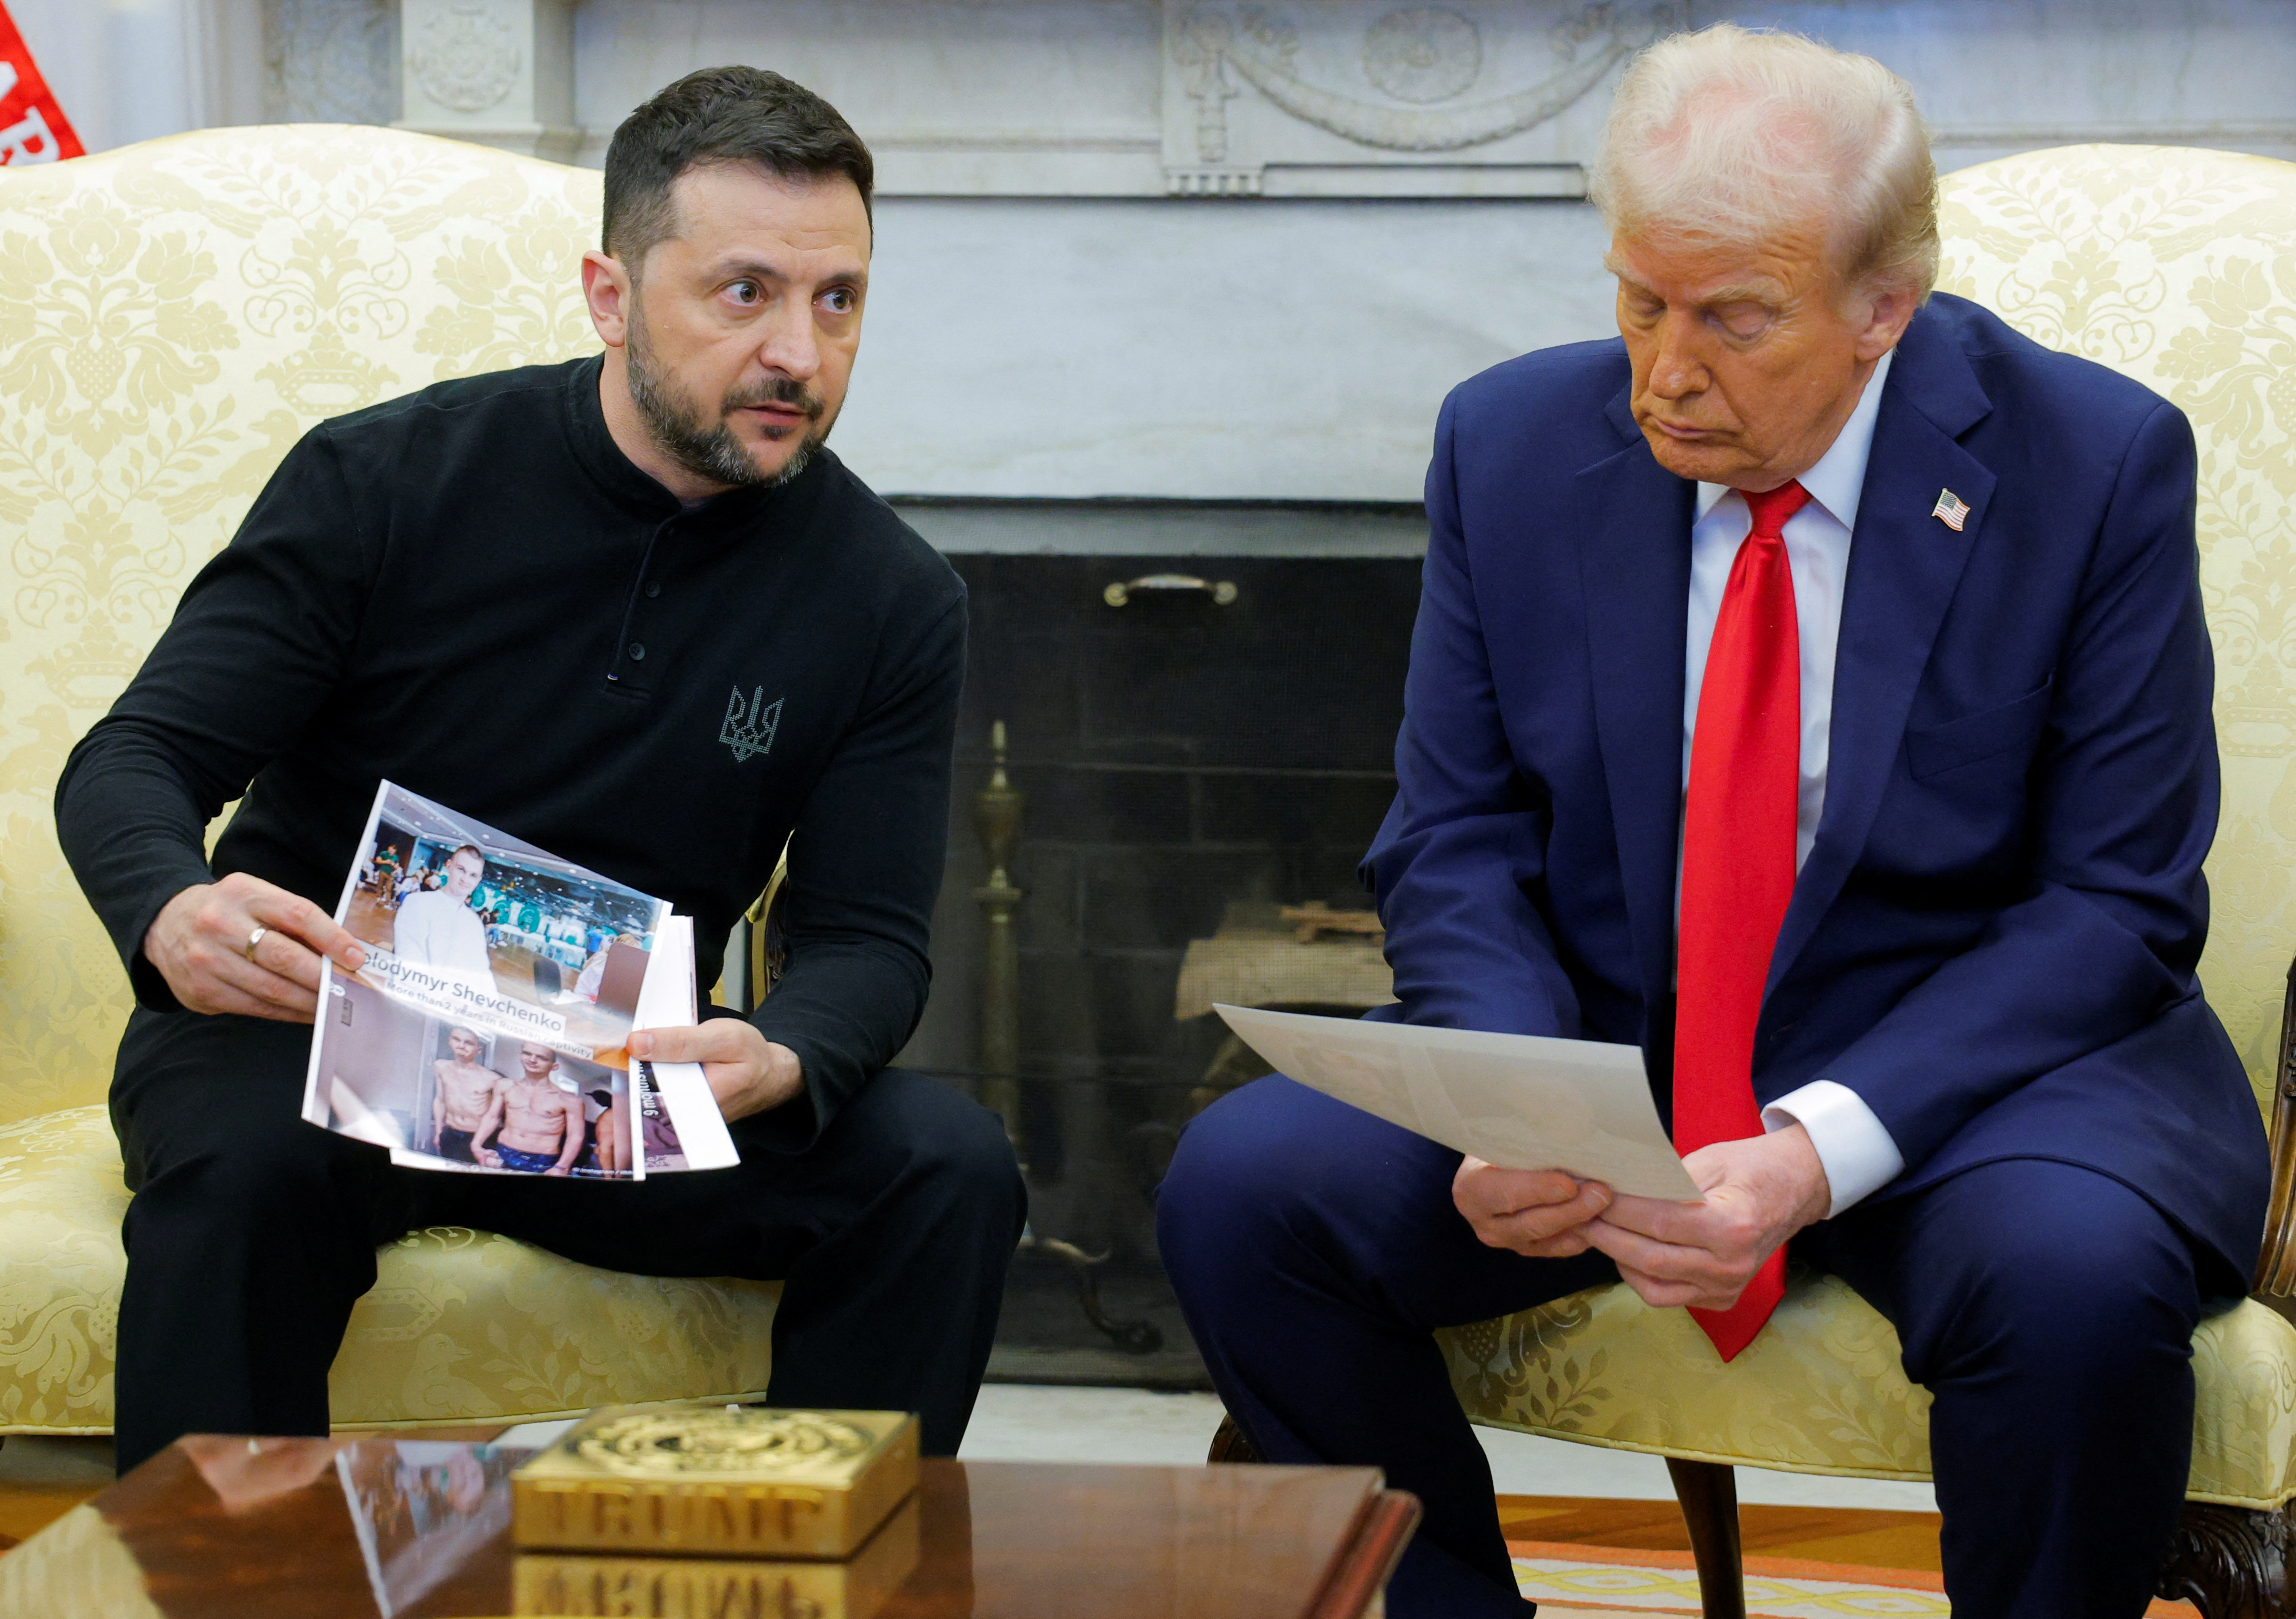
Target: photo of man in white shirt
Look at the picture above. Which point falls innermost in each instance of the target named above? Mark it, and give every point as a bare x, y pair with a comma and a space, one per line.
437, 927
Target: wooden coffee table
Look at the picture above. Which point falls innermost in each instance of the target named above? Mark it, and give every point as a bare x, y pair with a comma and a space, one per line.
417, 1524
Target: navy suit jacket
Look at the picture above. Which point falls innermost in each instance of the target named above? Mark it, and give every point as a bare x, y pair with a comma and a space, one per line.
1993, 938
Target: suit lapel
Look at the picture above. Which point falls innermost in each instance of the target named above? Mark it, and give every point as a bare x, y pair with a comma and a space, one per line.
1635, 568
1903, 565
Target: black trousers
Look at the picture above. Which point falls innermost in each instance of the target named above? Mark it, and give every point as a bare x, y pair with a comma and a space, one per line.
251, 1234
2049, 1308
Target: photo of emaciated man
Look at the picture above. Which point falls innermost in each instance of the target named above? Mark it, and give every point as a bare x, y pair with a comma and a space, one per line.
465, 1091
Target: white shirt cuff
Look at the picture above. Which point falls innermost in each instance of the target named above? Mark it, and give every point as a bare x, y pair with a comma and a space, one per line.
1854, 1147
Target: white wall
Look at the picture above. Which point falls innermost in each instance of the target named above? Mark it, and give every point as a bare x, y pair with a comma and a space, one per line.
1207, 348
126, 71
1047, 321
1066, 329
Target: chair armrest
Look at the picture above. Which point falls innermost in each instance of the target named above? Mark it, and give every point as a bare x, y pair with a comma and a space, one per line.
768, 933
2275, 1268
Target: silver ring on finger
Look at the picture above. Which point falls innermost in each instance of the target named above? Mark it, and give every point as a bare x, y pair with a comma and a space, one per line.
255, 938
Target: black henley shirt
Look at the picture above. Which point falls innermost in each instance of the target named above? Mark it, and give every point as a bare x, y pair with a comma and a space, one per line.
473, 592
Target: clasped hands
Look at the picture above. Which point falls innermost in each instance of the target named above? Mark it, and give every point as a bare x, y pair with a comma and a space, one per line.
1758, 1193
201, 944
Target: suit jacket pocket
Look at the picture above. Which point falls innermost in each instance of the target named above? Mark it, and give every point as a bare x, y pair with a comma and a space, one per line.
1933, 750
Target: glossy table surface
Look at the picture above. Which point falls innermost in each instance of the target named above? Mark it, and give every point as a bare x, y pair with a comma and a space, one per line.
229, 1528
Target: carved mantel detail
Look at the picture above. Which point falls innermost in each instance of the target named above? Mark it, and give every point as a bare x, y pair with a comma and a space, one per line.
499, 72
1333, 99
1355, 99
465, 58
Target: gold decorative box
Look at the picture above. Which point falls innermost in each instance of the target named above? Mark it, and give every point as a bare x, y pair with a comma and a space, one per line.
681, 1588
716, 1481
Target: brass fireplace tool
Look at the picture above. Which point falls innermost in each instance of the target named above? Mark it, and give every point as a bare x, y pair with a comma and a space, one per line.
997, 820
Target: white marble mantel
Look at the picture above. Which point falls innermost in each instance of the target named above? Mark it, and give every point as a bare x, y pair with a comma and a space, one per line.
1242, 247
1231, 249
1320, 98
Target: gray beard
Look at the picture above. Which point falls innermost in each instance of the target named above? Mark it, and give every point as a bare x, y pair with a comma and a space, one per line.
706, 449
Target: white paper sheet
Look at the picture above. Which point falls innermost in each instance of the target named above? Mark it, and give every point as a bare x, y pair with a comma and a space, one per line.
666, 1000
1520, 1101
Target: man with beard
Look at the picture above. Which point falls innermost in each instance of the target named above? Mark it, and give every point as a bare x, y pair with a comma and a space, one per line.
705, 636
463, 1092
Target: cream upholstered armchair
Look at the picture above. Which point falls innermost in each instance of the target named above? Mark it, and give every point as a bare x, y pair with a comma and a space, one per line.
172, 317
2178, 267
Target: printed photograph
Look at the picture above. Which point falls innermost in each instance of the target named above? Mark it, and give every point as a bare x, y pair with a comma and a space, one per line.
467, 1097
439, 889
657, 1130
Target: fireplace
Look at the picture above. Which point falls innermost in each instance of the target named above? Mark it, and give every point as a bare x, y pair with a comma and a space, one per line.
1199, 704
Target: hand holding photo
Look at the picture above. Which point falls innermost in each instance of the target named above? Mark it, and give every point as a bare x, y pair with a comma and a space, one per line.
486, 1031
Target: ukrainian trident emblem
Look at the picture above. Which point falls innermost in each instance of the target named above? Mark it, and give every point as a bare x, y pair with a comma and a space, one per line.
750, 723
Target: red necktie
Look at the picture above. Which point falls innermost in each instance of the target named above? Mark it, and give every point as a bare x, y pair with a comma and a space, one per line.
1738, 865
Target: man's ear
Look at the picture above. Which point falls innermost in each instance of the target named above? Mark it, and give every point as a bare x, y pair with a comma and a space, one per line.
1892, 311
606, 289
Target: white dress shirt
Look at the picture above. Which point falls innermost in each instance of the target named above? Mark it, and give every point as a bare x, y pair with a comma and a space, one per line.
1857, 1153
434, 929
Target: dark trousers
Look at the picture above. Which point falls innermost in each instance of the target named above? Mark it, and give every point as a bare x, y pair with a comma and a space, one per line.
2049, 1310
251, 1234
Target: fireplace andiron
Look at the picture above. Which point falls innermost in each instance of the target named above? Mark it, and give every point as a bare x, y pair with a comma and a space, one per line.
997, 820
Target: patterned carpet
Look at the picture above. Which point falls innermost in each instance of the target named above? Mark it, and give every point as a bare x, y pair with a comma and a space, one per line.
1568, 1580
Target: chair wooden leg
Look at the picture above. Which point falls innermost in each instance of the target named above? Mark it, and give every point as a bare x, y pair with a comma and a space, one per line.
1708, 1493
2232, 1563
1231, 1443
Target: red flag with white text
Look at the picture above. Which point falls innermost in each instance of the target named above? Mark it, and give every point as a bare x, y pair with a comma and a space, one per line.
33, 129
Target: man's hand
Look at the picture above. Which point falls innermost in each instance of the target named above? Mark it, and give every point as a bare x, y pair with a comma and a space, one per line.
199, 941
1758, 1193
1544, 1213
747, 1071
488, 1156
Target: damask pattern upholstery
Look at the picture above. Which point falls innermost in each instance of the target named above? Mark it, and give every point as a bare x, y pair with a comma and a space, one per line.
1821, 1390
173, 317
2177, 267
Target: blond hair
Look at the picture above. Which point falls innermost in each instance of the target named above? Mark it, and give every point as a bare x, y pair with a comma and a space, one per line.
1735, 135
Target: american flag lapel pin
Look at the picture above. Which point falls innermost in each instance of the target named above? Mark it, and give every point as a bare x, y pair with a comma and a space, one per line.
1950, 510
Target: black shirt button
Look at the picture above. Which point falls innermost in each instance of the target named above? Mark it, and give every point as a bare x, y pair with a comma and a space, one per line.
653, 591
637, 652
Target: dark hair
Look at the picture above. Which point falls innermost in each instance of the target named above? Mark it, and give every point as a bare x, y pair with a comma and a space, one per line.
736, 115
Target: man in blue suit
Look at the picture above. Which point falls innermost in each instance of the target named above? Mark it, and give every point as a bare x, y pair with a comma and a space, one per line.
1812, 689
